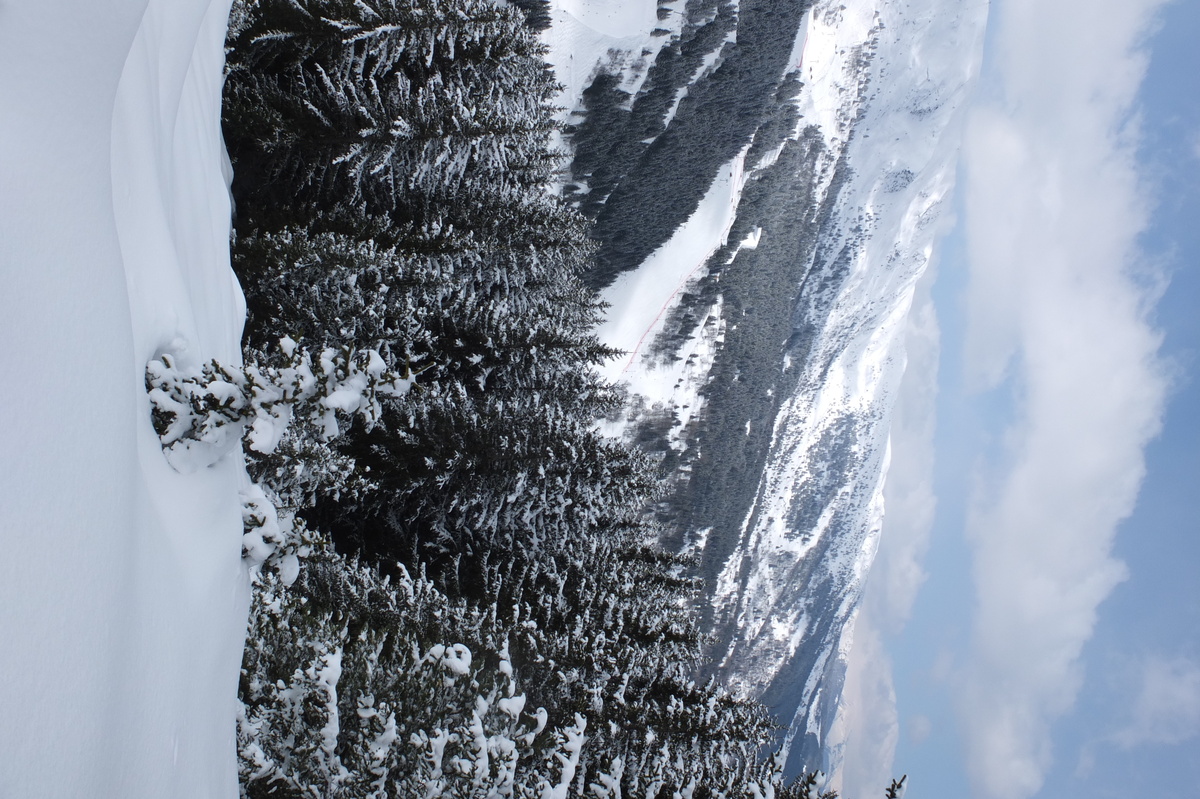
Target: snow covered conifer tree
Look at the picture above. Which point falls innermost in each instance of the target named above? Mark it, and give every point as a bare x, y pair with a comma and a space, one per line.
349, 691
382, 104
390, 163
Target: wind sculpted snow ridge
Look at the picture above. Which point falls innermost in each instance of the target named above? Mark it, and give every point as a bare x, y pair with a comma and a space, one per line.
124, 592
884, 83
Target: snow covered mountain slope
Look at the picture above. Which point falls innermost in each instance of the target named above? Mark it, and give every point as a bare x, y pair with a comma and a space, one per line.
765, 334
123, 597
791, 590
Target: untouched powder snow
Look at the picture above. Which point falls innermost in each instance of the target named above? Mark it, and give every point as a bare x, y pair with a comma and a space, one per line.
123, 597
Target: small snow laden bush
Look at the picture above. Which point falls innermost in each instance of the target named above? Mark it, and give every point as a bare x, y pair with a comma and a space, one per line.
292, 409
199, 414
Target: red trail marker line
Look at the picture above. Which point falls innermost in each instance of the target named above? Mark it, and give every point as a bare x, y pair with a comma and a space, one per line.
735, 177
804, 47
633, 353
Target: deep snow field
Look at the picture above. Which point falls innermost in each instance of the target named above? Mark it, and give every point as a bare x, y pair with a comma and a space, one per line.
123, 597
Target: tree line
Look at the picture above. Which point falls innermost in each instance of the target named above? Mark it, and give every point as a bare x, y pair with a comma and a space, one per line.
460, 593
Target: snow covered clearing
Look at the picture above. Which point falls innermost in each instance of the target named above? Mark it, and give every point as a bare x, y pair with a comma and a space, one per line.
646, 295
617, 35
123, 591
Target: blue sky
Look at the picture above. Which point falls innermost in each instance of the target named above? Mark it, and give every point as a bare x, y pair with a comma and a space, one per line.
1053, 648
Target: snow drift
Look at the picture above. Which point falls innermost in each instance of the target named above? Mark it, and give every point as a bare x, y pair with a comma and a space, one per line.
122, 588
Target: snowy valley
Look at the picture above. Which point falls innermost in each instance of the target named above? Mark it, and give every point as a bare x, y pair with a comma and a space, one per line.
814, 241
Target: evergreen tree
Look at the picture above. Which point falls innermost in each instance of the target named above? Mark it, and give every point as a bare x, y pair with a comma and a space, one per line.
348, 691
391, 160
384, 105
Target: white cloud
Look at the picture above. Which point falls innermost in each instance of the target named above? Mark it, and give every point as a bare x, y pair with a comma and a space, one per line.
868, 715
919, 729
1167, 708
908, 494
1056, 314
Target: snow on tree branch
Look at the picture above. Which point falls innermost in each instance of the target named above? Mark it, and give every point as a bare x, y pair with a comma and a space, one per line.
200, 414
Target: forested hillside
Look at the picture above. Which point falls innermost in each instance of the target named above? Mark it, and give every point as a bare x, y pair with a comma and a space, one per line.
457, 589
